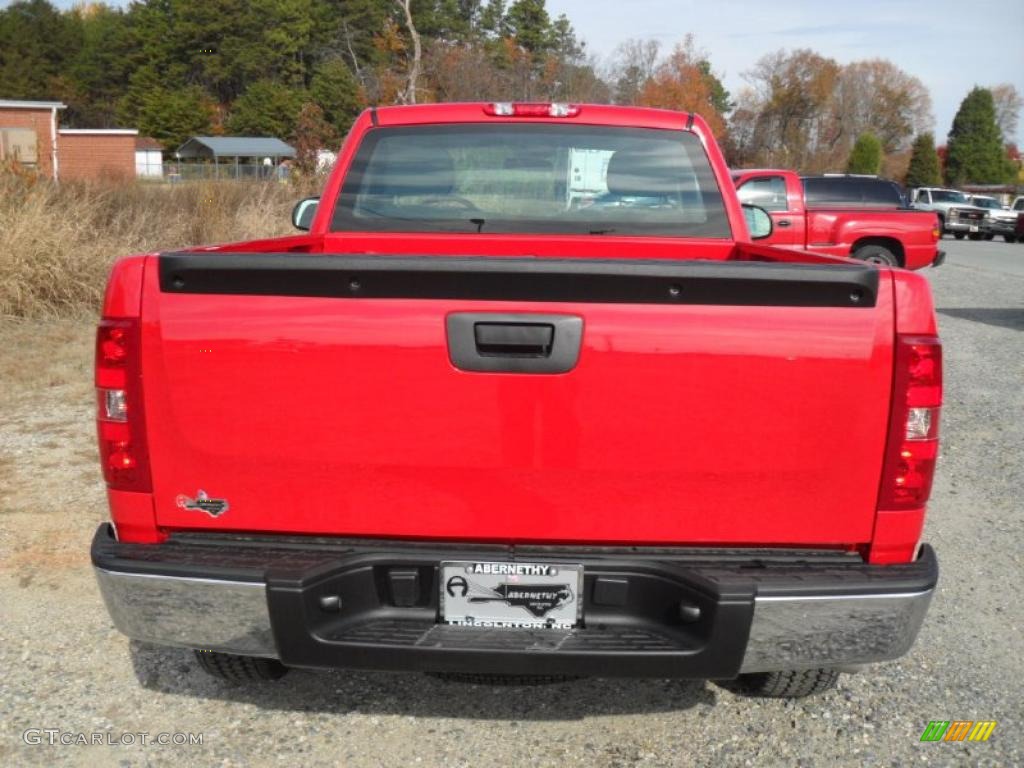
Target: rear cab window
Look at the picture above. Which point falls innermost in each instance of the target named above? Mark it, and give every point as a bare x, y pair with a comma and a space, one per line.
531, 178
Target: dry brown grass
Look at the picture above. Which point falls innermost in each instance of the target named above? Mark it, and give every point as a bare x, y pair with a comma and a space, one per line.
57, 241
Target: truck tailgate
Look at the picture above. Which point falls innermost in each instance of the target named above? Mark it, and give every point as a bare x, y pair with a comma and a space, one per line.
711, 403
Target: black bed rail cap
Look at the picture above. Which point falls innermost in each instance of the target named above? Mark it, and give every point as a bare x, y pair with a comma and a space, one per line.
616, 281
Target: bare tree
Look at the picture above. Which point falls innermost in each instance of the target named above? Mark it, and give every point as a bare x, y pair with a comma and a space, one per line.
633, 64
1008, 106
806, 111
417, 53
352, 54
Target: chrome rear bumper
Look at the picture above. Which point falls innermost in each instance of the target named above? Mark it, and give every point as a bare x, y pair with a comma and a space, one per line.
802, 623
211, 614
804, 632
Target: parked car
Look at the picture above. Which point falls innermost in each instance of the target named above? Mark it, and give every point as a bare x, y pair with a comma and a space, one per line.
863, 217
462, 425
956, 215
999, 219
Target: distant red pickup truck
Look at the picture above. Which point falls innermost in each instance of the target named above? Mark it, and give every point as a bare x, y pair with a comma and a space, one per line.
467, 425
862, 217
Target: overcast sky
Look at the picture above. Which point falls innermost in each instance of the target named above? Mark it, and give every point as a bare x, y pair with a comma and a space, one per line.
951, 45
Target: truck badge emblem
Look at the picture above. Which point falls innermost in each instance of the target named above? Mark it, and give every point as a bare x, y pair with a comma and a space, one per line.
203, 503
457, 582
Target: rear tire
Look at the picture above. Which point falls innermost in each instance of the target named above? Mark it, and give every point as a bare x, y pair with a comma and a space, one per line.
791, 684
239, 669
958, 235
876, 254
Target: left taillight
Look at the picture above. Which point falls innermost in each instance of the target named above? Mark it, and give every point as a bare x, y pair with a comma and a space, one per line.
121, 424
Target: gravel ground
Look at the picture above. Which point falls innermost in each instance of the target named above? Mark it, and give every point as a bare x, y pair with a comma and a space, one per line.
64, 666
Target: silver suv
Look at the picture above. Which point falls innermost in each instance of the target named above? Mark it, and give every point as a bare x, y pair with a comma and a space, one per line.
956, 214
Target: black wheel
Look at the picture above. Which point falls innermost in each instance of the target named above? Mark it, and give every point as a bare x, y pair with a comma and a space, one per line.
876, 254
1010, 238
958, 235
793, 684
240, 669
486, 679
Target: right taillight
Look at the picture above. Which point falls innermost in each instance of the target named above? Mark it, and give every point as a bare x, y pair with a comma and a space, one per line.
121, 426
913, 444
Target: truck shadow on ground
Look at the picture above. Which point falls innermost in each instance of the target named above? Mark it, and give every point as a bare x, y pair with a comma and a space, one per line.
1002, 317
175, 671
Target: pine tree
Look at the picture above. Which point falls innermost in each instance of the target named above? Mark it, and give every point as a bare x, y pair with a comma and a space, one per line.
924, 170
267, 108
976, 153
335, 89
866, 155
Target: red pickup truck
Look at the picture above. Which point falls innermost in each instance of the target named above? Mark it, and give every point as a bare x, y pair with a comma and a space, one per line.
862, 217
464, 425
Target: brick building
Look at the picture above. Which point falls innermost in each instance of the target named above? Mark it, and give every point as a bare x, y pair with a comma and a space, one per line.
96, 153
30, 135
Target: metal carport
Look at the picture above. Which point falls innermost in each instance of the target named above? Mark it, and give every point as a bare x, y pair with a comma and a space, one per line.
219, 148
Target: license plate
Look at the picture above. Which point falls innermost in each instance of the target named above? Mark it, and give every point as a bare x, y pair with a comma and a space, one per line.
513, 595
974, 228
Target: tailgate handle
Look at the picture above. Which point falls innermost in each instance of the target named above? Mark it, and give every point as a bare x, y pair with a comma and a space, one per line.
492, 342
514, 339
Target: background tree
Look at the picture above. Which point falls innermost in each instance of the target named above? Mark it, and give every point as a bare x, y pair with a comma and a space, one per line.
528, 22
876, 96
975, 150
98, 72
172, 116
924, 170
803, 110
634, 63
866, 155
312, 133
336, 91
1008, 104
408, 96
172, 65
684, 82
36, 44
792, 92
266, 108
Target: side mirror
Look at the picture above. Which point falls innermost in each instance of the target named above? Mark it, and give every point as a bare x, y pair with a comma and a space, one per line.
759, 223
303, 212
